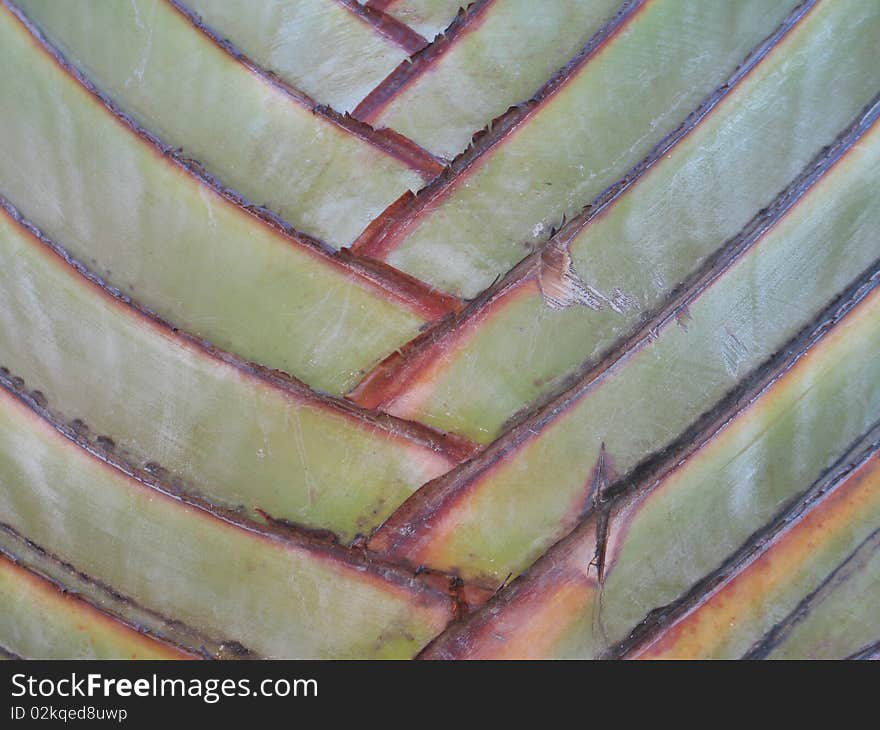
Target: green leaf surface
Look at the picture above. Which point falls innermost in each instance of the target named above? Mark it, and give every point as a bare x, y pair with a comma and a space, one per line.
38, 621
772, 585
518, 348
175, 81
709, 507
507, 510
171, 242
428, 17
652, 432
241, 440
276, 597
842, 617
671, 532
582, 139
513, 49
316, 45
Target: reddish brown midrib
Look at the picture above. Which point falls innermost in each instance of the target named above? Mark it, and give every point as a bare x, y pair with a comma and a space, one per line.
283, 537
430, 303
412, 68
547, 569
418, 297
392, 377
379, 243
453, 447
381, 5
395, 375
404, 528
405, 149
395, 145
458, 639
386, 25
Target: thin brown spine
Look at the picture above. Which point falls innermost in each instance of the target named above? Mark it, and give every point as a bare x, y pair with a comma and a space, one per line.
395, 145
411, 69
386, 25
379, 243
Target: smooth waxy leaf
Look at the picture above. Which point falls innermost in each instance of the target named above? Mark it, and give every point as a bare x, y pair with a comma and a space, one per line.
241, 438
38, 621
763, 592
581, 139
428, 17
499, 512
277, 597
172, 242
502, 57
179, 84
671, 532
518, 346
316, 45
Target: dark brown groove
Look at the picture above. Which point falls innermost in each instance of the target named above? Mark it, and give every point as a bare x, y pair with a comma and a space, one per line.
386, 25
161, 626
196, 651
377, 242
9, 655
853, 562
321, 545
396, 146
412, 68
454, 447
655, 467
417, 296
871, 652
655, 623
435, 496
393, 375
